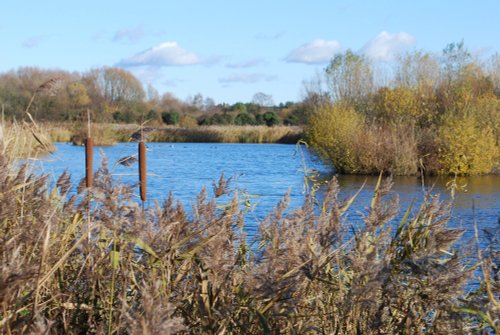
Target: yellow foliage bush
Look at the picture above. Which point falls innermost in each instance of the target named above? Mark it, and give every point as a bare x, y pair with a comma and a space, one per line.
398, 103
465, 147
343, 137
332, 131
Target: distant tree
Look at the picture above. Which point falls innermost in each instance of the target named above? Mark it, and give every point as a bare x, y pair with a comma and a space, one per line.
349, 77
170, 118
494, 70
239, 107
263, 100
208, 104
244, 119
454, 60
223, 119
197, 101
153, 116
417, 70
271, 119
259, 119
119, 85
291, 120
152, 94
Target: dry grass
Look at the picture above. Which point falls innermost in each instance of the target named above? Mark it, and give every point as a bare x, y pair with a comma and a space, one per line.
109, 134
118, 270
23, 140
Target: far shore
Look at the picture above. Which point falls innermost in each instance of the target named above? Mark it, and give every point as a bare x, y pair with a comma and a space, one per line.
109, 134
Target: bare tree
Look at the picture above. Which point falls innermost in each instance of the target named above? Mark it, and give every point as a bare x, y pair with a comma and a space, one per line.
263, 100
349, 77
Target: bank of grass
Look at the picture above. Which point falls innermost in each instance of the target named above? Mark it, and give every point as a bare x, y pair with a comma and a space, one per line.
94, 262
109, 134
229, 134
22, 140
104, 134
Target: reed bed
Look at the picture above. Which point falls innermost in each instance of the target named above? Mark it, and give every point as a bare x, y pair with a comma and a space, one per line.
104, 134
94, 262
230, 134
109, 134
22, 140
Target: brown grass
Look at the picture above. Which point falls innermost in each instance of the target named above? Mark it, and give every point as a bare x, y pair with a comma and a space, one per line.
109, 134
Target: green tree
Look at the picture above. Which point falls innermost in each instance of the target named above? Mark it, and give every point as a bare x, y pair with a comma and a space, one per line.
243, 119
170, 118
271, 119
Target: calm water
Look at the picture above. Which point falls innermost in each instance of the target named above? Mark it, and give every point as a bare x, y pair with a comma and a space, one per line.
264, 173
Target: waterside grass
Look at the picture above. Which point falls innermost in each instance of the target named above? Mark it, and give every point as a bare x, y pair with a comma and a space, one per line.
109, 134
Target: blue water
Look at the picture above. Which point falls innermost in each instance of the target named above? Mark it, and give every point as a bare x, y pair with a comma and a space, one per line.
263, 173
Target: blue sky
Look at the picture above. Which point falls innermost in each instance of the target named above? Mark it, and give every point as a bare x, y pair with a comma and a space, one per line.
230, 50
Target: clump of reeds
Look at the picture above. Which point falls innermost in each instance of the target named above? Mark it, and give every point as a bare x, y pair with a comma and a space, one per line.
162, 270
229, 134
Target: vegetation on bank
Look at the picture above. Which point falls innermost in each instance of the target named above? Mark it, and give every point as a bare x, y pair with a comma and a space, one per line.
439, 115
109, 134
92, 261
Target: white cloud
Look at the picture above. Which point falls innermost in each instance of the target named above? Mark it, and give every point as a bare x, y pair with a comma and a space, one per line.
133, 34
33, 41
245, 78
246, 64
164, 54
385, 46
317, 52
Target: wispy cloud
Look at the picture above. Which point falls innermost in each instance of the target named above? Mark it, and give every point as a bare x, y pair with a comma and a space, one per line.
267, 36
385, 46
164, 54
132, 34
33, 41
246, 64
172, 82
318, 51
247, 78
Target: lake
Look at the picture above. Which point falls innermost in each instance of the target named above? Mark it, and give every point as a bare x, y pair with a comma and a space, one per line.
264, 173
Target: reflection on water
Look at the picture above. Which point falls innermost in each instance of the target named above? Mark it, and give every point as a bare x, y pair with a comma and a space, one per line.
265, 172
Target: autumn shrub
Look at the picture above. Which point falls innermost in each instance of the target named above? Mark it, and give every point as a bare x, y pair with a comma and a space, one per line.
465, 147
332, 131
391, 148
342, 136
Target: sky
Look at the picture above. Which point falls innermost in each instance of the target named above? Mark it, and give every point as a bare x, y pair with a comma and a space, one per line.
230, 50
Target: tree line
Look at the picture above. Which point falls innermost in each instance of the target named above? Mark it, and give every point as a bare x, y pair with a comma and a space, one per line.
115, 95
